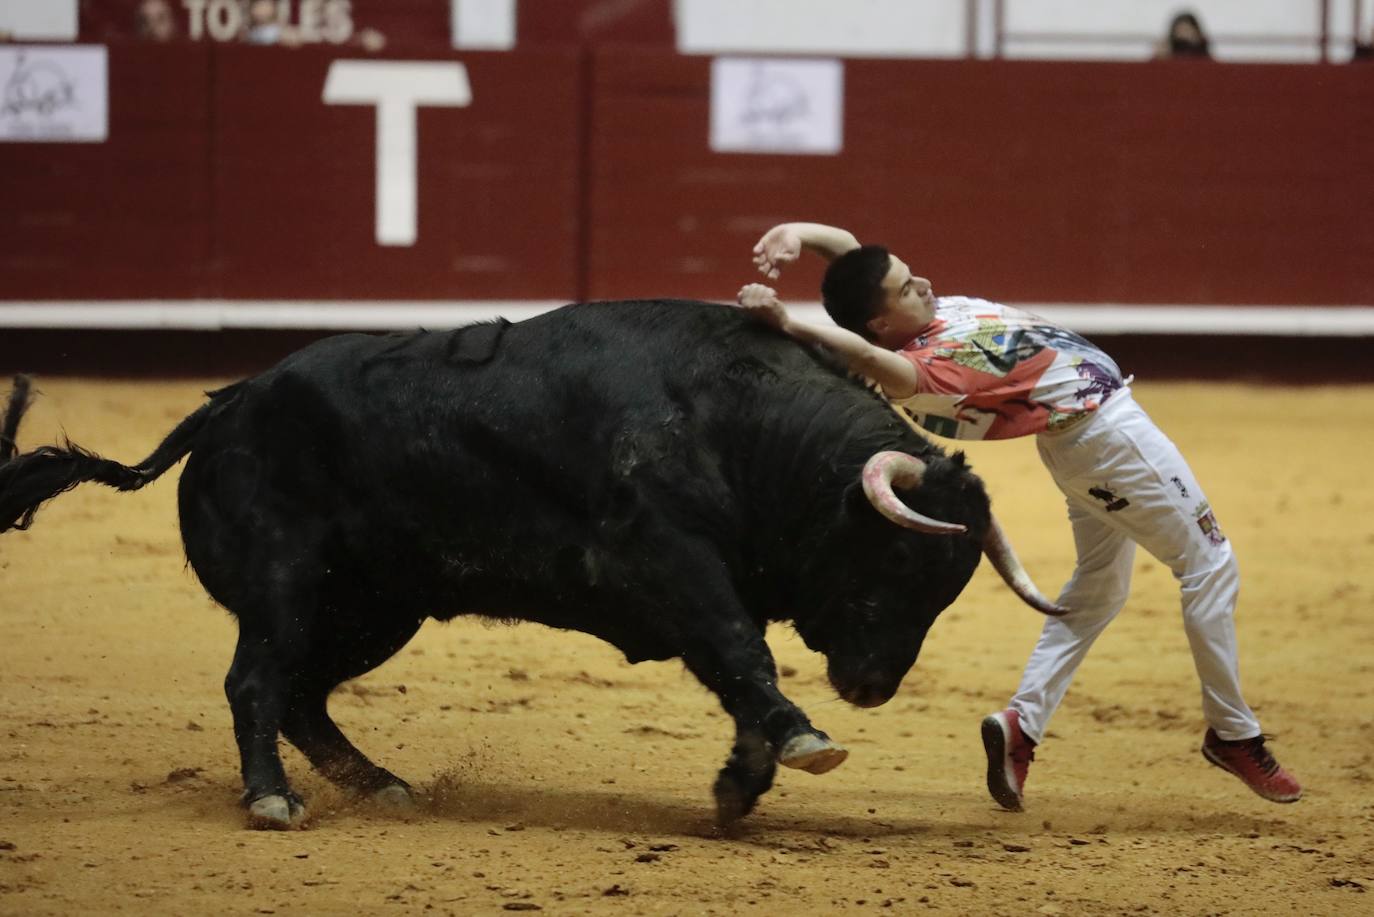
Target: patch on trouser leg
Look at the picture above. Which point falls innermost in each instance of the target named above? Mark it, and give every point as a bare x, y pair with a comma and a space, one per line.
1109, 498
1207, 521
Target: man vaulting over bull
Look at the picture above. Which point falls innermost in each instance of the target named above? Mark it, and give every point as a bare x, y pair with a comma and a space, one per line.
968, 368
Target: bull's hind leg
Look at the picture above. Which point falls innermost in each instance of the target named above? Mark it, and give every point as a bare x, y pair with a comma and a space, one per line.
259, 556
309, 727
293, 650
257, 688
280, 619
350, 650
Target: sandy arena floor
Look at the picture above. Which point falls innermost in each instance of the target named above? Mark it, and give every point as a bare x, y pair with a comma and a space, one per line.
557, 777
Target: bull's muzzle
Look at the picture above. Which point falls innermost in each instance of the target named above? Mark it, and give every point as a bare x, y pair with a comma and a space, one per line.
869, 688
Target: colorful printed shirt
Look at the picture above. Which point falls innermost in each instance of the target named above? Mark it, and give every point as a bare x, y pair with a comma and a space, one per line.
988, 371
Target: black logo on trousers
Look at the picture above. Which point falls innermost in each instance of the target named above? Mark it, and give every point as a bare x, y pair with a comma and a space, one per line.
1113, 502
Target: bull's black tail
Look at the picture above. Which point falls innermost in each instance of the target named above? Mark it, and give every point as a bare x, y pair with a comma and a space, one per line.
19, 403
29, 480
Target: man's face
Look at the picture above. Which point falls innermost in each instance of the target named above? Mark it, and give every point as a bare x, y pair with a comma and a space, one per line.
158, 21
262, 12
908, 306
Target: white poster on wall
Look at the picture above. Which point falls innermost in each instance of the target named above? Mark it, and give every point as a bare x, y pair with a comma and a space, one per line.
483, 25
775, 105
54, 94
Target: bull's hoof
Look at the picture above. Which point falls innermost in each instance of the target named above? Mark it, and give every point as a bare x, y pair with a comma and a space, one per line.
395, 797
812, 753
276, 813
734, 800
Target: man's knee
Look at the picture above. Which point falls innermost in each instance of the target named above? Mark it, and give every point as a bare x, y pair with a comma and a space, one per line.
1095, 601
1212, 591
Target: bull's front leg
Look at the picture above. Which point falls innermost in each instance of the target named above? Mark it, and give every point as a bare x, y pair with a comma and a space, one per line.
731, 658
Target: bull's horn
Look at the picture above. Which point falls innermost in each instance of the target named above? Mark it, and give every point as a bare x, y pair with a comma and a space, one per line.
998, 550
886, 469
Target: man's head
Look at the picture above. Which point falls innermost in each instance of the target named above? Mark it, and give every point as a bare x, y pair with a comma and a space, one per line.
262, 12
873, 293
155, 21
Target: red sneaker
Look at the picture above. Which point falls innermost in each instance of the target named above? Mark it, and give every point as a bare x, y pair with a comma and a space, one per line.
1010, 753
1249, 760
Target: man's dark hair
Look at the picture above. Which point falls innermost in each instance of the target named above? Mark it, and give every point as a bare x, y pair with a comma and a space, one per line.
852, 291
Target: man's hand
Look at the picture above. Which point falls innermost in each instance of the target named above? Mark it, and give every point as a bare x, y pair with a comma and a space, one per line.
895, 373
761, 303
780, 245
784, 243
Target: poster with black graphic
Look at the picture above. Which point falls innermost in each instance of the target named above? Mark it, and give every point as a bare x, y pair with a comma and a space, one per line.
54, 94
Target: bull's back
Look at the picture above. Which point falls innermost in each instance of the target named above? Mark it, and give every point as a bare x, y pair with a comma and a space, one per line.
555, 380
439, 429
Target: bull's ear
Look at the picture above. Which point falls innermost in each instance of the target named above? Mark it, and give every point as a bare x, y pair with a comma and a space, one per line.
958, 459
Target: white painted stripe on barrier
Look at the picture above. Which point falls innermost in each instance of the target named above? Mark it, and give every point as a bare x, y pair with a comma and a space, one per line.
1286, 321
386, 315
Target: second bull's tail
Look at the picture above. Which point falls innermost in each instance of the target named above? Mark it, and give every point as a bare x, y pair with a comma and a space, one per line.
29, 480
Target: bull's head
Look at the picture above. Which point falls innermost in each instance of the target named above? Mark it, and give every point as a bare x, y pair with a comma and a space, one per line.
888, 470
874, 619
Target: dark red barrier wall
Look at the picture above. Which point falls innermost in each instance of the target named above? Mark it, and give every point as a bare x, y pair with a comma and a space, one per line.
1168, 182
128, 217
226, 175
595, 22
498, 183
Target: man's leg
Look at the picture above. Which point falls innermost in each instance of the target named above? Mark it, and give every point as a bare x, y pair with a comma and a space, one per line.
1170, 517
1094, 594
1162, 507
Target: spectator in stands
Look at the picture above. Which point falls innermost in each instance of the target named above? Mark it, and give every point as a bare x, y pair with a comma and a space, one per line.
370, 40
265, 26
1364, 52
1185, 38
155, 21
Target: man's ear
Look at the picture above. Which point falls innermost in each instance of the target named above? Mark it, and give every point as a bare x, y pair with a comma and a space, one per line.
877, 325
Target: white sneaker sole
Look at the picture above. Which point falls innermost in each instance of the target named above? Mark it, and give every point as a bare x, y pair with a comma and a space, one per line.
1001, 777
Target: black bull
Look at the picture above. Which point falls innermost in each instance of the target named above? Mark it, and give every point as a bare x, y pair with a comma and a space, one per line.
667, 476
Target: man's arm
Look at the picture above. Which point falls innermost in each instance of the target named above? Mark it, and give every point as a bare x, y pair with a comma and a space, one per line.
895, 373
783, 244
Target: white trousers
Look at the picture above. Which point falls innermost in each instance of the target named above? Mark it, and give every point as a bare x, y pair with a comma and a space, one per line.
1127, 485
